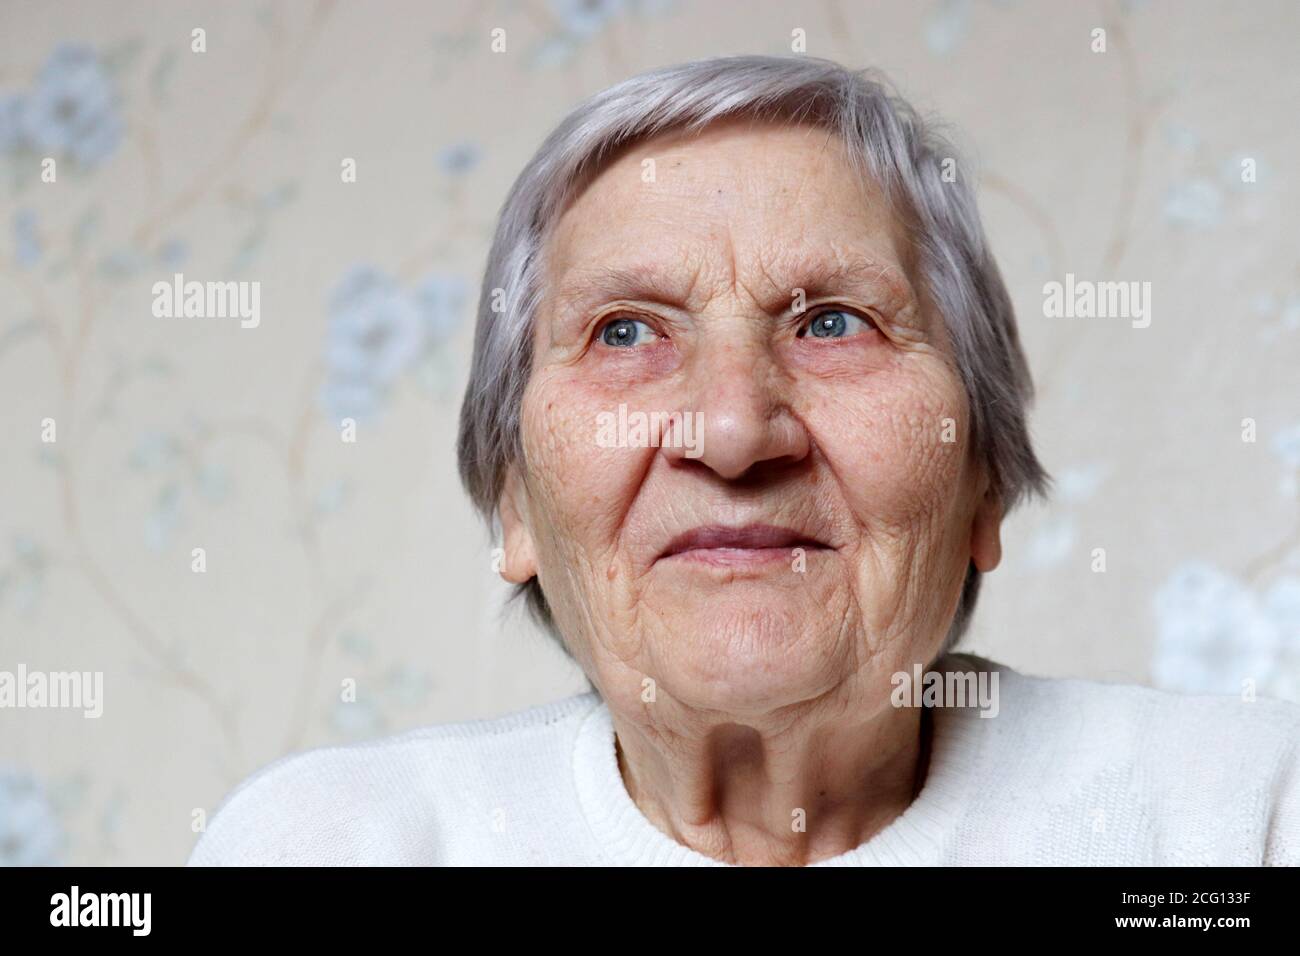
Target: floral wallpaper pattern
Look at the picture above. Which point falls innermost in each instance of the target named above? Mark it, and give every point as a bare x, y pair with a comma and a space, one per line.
333, 565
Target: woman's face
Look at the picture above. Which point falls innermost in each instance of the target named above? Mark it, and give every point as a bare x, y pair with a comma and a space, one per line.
812, 536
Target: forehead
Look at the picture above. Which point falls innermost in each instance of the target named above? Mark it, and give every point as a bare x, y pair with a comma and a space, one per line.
741, 196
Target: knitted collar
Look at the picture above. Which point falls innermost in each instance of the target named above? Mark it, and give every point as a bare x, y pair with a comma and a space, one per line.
917, 837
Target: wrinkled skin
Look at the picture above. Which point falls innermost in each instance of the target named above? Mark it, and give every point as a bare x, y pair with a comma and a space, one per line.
770, 685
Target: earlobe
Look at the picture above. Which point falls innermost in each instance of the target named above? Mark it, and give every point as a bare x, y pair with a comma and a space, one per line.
519, 564
986, 533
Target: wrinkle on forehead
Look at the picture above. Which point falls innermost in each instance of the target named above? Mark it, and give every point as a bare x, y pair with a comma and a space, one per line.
766, 208
818, 272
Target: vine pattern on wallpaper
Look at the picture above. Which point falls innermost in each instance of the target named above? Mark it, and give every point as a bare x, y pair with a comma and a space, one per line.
1212, 625
378, 329
386, 325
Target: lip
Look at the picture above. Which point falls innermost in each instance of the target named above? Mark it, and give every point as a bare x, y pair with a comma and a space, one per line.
745, 546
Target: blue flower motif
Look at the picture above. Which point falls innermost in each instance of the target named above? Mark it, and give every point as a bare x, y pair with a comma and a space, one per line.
1214, 632
72, 111
441, 301
11, 108
357, 719
1286, 445
358, 400
947, 26
173, 253
459, 159
1197, 202
586, 18
1181, 137
154, 449
1052, 544
30, 833
377, 329
374, 329
27, 245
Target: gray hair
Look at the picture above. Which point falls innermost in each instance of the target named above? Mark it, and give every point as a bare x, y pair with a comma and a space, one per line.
885, 137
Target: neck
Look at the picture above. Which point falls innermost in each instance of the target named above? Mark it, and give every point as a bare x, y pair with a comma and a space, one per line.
782, 791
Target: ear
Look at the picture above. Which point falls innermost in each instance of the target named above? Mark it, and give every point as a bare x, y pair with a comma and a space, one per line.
520, 564
986, 532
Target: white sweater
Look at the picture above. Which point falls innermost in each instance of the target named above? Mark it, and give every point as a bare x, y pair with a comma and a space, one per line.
1068, 772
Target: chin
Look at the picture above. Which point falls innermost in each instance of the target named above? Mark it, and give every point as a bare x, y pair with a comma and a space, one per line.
739, 655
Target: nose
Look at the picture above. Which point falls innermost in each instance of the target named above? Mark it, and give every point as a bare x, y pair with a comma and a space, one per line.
742, 399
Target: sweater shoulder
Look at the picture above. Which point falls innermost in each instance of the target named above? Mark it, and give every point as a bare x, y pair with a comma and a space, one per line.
394, 800
1178, 722
1214, 775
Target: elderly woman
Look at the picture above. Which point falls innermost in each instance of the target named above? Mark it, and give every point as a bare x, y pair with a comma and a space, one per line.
747, 408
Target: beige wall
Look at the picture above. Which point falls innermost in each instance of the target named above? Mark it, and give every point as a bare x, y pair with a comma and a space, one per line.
328, 561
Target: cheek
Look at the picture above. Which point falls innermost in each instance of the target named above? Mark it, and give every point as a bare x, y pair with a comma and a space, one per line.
580, 489
884, 438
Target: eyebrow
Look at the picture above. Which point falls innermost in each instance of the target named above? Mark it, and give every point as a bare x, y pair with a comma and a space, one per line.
585, 288
837, 273
818, 274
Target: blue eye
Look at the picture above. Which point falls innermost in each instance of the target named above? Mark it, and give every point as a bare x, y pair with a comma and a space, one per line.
835, 324
627, 332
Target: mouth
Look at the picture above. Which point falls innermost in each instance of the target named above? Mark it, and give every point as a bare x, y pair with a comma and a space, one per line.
748, 546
